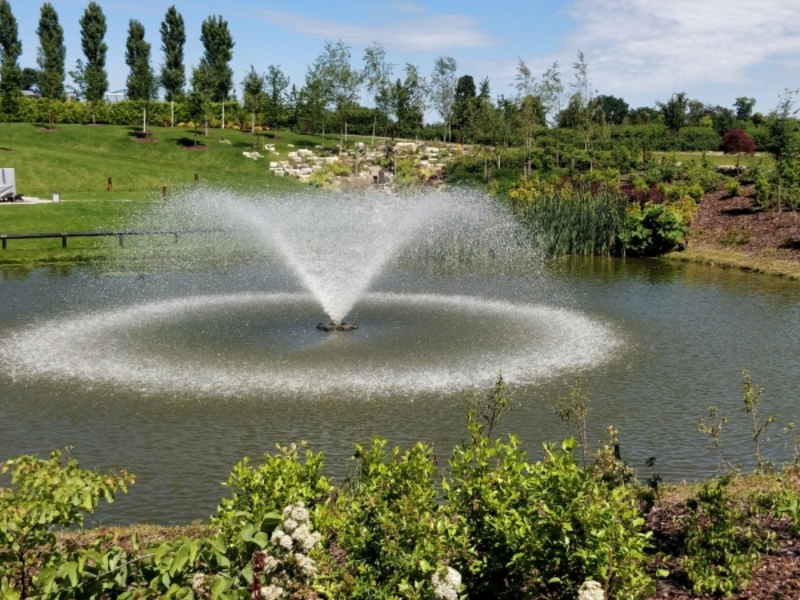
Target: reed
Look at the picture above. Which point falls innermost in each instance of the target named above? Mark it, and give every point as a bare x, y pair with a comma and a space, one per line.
575, 222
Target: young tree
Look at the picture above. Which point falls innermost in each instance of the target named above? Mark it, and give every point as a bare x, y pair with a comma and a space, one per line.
10, 73
141, 82
253, 94
276, 82
342, 80
316, 96
782, 128
442, 89
91, 77
201, 96
218, 52
736, 142
173, 72
464, 101
582, 90
51, 55
378, 76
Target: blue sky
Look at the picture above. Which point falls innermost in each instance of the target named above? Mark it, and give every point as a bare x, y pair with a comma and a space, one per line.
641, 50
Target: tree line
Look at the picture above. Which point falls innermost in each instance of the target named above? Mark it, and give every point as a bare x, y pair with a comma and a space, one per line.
334, 87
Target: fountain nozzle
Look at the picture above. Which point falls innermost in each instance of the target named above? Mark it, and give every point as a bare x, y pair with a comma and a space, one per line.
337, 326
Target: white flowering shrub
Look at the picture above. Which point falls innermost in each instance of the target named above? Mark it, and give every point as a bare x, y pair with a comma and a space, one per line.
446, 583
284, 567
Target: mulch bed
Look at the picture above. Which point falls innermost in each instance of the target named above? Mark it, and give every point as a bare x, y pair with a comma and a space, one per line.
739, 223
777, 575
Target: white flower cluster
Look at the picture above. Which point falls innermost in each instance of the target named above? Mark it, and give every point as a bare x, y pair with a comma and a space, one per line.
291, 566
591, 590
294, 530
271, 592
446, 583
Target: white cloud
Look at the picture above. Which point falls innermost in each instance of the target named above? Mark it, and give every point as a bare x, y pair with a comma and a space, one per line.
667, 46
426, 33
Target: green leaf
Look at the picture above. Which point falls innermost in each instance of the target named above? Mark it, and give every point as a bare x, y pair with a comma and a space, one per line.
220, 586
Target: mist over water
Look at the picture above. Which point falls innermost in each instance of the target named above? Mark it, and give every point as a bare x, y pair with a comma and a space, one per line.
367, 257
186, 354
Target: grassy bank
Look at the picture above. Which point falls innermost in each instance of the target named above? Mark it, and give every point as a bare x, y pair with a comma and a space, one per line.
77, 161
733, 259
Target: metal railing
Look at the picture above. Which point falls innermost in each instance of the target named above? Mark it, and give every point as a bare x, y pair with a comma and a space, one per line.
4, 237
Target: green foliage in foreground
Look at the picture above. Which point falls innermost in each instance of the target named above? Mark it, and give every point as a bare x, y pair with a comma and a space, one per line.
492, 524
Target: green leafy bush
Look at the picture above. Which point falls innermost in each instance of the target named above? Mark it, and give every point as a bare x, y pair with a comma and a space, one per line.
45, 493
385, 531
653, 230
721, 547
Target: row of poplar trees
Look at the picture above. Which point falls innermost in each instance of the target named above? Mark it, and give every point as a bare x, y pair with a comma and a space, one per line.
212, 77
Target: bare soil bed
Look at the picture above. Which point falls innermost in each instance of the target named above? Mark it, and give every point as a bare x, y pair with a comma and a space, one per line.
749, 233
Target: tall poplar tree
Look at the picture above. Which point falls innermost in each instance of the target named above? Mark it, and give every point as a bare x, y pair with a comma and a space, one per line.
173, 39
51, 55
217, 54
10, 73
91, 77
141, 82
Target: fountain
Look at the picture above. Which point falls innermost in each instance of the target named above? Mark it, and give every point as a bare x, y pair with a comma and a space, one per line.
423, 283
183, 358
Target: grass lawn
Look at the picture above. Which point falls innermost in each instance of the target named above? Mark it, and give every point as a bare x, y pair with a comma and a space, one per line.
760, 158
76, 161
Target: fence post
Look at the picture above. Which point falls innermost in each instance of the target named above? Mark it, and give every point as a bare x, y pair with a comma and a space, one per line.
110, 185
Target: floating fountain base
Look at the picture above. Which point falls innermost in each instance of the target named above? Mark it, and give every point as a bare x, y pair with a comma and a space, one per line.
343, 326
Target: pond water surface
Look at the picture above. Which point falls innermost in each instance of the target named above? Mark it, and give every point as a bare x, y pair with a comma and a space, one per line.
179, 399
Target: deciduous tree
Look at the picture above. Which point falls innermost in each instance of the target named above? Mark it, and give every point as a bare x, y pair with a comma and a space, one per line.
276, 83
253, 94
217, 54
341, 80
442, 89
378, 78
173, 71
674, 111
10, 74
51, 55
91, 77
737, 142
141, 83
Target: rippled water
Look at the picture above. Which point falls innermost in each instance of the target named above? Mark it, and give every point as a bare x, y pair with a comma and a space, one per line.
176, 376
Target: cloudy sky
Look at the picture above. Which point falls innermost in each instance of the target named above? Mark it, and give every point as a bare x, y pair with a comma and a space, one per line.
641, 50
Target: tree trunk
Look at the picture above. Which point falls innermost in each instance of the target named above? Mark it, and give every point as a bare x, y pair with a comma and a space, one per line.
223, 114
172, 113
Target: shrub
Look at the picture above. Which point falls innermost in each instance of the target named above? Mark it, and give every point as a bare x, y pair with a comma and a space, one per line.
385, 532
733, 188
721, 547
45, 493
651, 231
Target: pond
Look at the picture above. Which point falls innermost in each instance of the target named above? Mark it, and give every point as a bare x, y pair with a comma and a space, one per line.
175, 376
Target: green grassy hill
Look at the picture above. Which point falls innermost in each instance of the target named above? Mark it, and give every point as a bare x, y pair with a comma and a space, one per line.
76, 161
